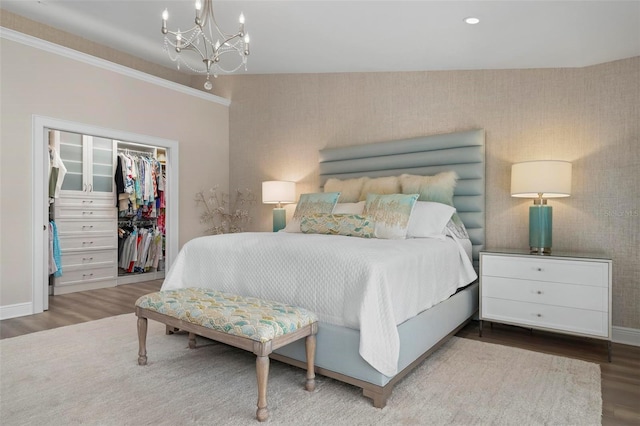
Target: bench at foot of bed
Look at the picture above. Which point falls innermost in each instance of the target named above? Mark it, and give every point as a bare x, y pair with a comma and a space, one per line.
248, 323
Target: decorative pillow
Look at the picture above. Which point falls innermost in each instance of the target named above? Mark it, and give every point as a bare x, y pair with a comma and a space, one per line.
383, 185
429, 220
349, 189
390, 213
350, 225
320, 202
438, 188
349, 208
456, 227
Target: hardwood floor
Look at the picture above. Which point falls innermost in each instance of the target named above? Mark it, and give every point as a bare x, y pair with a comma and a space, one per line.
620, 378
74, 308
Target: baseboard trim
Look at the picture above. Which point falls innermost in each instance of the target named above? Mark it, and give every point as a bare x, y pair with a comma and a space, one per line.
625, 335
17, 310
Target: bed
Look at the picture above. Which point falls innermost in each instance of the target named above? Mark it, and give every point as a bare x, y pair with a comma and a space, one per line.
364, 338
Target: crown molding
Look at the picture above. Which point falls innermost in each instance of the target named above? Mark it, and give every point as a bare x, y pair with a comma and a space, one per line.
56, 49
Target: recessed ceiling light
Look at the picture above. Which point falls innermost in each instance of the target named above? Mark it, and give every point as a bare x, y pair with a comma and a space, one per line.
471, 20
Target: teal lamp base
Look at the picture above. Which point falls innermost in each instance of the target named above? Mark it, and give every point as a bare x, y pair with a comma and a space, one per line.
279, 219
540, 225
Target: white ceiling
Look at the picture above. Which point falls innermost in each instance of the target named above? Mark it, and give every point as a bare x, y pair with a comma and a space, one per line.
359, 36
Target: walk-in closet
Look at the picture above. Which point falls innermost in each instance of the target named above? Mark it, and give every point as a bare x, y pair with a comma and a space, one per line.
107, 212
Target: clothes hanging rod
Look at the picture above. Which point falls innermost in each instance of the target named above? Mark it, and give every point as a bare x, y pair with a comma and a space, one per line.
125, 150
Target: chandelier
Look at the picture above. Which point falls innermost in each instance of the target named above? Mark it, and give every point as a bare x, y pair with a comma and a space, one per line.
209, 41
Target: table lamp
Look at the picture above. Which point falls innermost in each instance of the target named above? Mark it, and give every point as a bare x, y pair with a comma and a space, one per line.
540, 180
278, 192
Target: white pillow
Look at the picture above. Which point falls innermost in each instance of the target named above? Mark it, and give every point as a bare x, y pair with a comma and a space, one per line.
429, 220
349, 208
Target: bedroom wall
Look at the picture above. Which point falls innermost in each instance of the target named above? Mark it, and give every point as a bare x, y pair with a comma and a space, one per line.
37, 82
589, 116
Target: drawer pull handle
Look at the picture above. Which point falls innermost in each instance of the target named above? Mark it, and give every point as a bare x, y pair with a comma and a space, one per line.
87, 258
539, 315
87, 226
538, 292
87, 212
539, 269
87, 275
87, 242
87, 201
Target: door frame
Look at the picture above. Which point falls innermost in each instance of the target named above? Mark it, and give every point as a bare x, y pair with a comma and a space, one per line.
40, 202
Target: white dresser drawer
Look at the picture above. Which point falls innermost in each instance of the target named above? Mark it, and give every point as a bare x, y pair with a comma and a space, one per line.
556, 294
89, 259
71, 243
86, 275
70, 226
581, 321
85, 201
543, 269
78, 212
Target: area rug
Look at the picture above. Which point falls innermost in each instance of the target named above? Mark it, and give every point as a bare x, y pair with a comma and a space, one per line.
87, 374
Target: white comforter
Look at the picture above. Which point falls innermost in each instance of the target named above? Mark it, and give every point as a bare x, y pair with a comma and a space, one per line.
367, 284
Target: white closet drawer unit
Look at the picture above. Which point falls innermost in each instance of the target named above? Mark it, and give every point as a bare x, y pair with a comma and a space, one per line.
96, 258
87, 226
564, 293
88, 201
79, 212
88, 242
87, 275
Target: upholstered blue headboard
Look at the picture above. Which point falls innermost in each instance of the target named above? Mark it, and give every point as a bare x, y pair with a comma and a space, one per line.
462, 152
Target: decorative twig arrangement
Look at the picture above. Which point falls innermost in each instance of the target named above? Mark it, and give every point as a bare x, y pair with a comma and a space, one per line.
223, 213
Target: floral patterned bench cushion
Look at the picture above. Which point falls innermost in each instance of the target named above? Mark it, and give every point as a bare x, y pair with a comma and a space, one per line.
249, 317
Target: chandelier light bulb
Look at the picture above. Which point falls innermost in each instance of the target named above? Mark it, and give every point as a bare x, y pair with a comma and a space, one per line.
165, 15
198, 5
241, 19
247, 39
208, 85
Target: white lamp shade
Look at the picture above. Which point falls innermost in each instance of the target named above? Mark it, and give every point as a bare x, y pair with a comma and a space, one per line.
278, 192
550, 178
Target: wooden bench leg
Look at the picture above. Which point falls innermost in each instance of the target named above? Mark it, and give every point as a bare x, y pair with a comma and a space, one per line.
310, 347
142, 341
192, 341
262, 371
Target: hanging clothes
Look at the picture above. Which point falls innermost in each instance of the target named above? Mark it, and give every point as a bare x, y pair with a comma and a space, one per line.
57, 172
138, 181
54, 250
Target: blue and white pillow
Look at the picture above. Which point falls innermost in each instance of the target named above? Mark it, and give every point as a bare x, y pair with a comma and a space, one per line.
391, 214
309, 204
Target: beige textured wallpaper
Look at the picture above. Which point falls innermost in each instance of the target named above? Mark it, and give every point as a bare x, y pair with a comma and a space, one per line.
589, 116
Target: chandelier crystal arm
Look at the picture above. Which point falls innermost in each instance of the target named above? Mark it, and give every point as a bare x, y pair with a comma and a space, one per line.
200, 39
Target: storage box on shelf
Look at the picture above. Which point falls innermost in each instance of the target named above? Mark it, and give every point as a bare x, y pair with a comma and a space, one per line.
563, 292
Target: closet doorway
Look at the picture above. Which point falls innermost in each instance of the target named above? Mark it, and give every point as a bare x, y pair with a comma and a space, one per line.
42, 129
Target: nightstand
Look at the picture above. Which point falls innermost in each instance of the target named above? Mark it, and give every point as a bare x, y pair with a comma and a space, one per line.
563, 292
